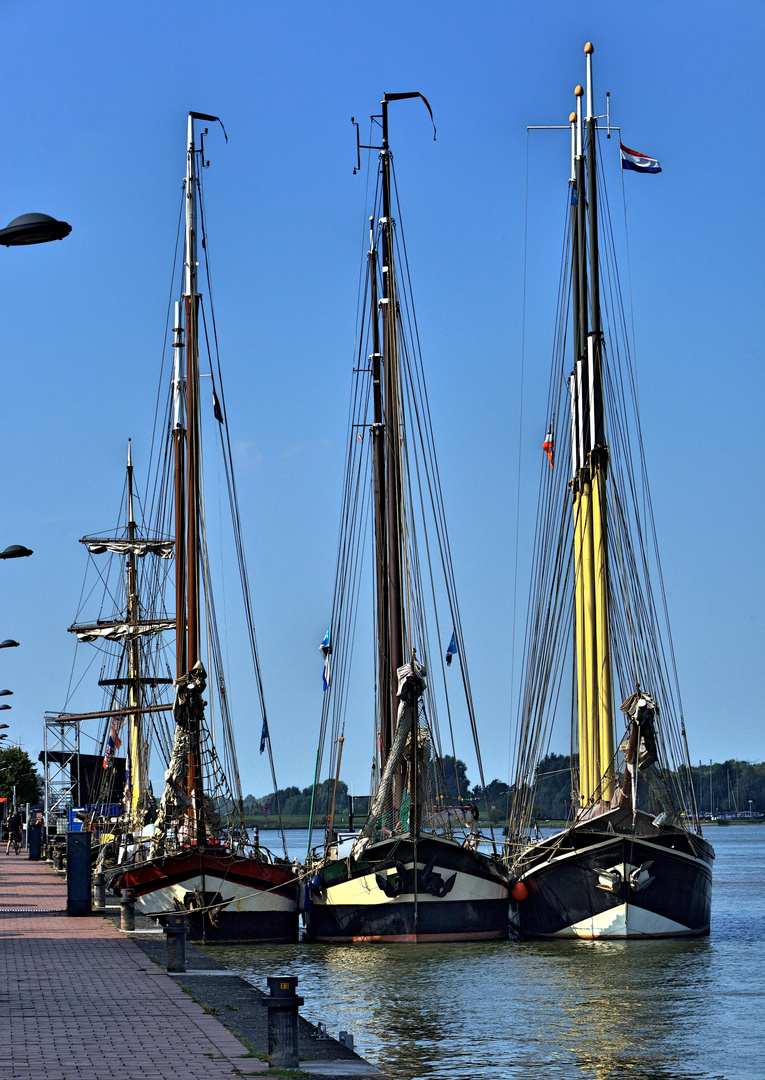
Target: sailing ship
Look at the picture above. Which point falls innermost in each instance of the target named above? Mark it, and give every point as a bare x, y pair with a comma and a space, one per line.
199, 858
135, 678
415, 871
632, 862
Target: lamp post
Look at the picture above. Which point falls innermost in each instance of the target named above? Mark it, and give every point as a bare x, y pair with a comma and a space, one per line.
16, 551
9, 643
33, 229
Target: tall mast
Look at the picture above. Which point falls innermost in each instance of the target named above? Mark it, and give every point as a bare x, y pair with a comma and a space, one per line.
193, 468
381, 539
582, 490
392, 427
598, 464
134, 661
589, 459
191, 301
179, 460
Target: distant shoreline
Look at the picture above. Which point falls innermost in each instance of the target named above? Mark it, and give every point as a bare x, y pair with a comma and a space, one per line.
300, 821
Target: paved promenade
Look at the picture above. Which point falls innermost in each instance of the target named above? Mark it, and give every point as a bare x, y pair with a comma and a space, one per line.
81, 1001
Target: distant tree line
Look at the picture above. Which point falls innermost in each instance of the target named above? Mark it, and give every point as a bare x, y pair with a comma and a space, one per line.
733, 784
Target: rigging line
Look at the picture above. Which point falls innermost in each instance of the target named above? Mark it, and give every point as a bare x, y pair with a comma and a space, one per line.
511, 734
168, 317
434, 482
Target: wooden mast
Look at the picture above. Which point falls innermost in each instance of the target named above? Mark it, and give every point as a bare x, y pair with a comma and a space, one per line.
179, 483
380, 494
598, 468
589, 460
192, 486
135, 724
392, 434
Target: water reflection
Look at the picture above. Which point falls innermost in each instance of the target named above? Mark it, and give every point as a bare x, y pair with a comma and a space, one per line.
621, 1008
568, 1010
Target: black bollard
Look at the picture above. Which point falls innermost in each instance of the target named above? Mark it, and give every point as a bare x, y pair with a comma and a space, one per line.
99, 892
282, 1008
34, 839
127, 909
58, 859
176, 929
77, 873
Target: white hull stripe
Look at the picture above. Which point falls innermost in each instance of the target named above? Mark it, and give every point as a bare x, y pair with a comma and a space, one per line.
244, 898
624, 921
556, 860
364, 891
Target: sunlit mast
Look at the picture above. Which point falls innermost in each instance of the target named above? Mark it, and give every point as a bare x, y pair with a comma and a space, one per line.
135, 725
187, 485
590, 468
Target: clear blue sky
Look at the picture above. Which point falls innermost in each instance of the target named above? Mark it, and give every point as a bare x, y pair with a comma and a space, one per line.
94, 104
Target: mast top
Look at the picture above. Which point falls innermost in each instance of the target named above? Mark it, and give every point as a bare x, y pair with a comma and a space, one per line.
572, 118
589, 48
578, 91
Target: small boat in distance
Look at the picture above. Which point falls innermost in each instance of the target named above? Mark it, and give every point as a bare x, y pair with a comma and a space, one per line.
414, 872
632, 863
200, 859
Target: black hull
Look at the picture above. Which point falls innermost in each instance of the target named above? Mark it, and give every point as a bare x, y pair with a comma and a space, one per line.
244, 899
587, 883
454, 895
236, 927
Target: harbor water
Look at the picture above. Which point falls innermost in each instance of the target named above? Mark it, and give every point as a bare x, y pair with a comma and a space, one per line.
563, 1010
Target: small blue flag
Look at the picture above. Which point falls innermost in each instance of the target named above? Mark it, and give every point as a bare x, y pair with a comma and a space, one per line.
326, 648
263, 735
452, 650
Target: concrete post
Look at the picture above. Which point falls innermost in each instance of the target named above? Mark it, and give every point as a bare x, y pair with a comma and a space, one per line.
127, 909
282, 1006
176, 929
99, 892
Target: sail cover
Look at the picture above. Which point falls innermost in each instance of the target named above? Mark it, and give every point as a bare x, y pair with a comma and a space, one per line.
120, 631
411, 687
163, 549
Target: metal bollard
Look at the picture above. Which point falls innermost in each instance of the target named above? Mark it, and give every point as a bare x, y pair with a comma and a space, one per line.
282, 1006
58, 859
175, 930
127, 909
99, 892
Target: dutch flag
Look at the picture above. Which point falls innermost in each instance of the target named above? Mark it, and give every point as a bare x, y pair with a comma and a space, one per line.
637, 162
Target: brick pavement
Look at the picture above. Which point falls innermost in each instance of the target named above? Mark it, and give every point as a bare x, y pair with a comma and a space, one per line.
81, 1001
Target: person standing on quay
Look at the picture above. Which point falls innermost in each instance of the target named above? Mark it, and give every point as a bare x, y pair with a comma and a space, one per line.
14, 832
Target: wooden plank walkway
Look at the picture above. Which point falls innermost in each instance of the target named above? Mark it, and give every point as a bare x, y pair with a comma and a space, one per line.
80, 1001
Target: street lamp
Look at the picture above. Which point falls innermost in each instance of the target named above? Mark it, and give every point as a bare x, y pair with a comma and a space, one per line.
9, 643
33, 229
15, 551
6, 693
3, 725
1, 708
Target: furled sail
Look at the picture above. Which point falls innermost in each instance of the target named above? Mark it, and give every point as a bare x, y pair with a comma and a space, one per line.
163, 549
643, 757
119, 630
187, 713
411, 687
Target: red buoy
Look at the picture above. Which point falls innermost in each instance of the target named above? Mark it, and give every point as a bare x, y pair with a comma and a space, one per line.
520, 892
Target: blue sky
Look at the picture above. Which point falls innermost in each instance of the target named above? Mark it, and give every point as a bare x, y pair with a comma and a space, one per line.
95, 99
